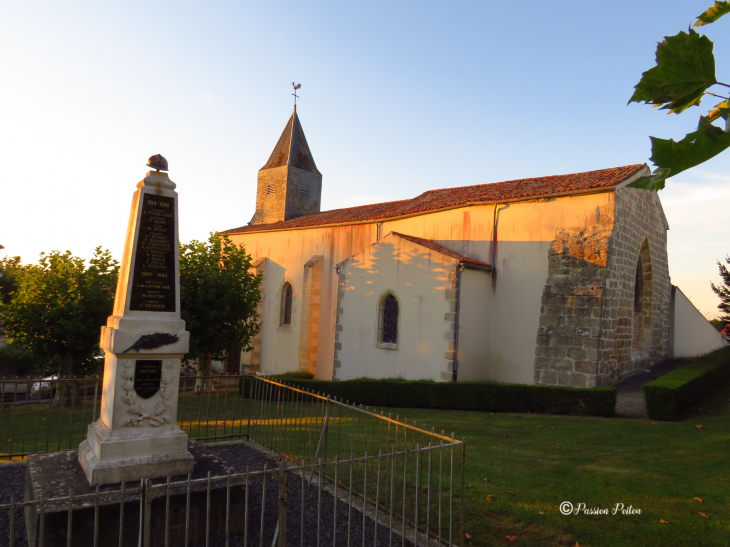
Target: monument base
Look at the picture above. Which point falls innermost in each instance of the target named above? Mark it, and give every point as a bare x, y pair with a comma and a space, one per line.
55, 473
108, 457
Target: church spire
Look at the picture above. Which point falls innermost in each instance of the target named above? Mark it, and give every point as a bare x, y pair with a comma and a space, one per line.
289, 185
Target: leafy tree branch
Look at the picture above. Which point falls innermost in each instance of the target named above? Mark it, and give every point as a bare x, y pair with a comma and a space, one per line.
684, 71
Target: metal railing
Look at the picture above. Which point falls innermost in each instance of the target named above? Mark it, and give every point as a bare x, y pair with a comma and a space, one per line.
306, 426
385, 478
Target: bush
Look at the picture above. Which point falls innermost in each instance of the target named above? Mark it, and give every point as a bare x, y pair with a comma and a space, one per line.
667, 396
481, 396
15, 361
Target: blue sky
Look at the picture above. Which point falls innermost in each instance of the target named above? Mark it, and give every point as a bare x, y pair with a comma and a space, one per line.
397, 98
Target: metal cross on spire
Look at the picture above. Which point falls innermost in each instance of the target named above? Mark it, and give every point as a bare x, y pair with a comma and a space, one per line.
295, 86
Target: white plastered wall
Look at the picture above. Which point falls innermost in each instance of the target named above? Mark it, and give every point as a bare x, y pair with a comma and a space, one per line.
474, 325
420, 280
693, 333
525, 231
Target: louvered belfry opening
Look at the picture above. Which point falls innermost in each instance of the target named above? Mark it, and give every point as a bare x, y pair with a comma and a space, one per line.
390, 320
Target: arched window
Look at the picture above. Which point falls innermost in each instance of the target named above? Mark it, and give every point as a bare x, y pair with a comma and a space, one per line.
388, 321
638, 287
286, 295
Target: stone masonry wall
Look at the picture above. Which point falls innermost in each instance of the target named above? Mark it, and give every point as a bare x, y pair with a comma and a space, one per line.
587, 316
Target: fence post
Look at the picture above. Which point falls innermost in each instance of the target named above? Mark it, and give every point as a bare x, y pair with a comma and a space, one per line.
463, 476
281, 476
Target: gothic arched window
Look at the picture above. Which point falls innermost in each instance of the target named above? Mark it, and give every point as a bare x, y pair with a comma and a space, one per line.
638, 287
388, 321
286, 296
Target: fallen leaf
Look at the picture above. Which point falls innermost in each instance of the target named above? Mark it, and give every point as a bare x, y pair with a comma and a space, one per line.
605, 484
703, 515
490, 486
511, 539
509, 492
540, 513
576, 544
634, 521
699, 426
555, 446
698, 499
506, 437
485, 479
468, 536
519, 416
540, 426
662, 521
468, 486
490, 496
658, 437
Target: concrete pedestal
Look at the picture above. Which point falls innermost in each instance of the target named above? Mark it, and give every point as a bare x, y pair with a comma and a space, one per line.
54, 473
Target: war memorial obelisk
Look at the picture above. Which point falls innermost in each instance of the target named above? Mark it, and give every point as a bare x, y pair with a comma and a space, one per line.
136, 435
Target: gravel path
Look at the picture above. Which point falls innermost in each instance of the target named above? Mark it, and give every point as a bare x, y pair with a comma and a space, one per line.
12, 481
238, 456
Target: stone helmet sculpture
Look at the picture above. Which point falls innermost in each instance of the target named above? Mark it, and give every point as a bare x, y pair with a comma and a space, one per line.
157, 162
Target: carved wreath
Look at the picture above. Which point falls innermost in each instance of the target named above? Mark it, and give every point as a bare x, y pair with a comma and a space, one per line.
135, 406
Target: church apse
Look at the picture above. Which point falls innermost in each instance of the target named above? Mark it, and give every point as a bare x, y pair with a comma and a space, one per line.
594, 328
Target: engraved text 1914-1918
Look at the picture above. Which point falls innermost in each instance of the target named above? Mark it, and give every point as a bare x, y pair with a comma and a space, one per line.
154, 279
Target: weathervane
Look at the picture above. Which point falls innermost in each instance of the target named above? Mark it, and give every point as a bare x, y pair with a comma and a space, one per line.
297, 86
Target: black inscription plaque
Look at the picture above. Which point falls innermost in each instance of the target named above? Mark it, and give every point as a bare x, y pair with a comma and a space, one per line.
147, 376
154, 279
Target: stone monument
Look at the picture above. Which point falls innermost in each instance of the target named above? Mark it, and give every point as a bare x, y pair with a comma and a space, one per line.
136, 435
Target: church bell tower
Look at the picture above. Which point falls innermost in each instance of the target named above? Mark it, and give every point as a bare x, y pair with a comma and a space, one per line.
289, 184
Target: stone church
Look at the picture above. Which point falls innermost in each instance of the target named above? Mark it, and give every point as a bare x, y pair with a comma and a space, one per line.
551, 280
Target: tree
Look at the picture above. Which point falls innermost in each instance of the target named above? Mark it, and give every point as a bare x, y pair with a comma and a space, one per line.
684, 72
9, 266
218, 301
723, 291
57, 310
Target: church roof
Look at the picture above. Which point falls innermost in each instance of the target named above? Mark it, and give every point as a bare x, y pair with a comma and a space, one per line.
448, 198
292, 148
430, 244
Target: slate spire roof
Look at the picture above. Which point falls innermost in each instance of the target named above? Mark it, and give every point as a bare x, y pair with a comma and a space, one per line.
292, 148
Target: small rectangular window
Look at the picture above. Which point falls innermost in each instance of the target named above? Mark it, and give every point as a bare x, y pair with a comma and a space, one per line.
304, 193
270, 189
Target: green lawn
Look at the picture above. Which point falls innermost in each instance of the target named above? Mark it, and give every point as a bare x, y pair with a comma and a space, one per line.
653, 466
657, 467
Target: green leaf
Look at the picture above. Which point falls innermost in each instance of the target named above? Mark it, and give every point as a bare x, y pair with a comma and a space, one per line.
685, 69
674, 157
713, 14
721, 110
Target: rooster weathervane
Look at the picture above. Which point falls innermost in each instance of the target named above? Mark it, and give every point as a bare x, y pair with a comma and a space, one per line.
295, 86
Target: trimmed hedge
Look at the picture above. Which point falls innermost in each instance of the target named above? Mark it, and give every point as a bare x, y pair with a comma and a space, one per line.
481, 396
667, 396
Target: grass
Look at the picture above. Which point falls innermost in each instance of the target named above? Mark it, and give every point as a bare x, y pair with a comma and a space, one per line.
657, 467
653, 466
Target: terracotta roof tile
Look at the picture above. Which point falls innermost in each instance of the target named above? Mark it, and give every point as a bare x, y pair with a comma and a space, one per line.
434, 200
430, 244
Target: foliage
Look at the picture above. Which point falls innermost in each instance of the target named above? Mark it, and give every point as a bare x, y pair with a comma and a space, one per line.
9, 266
723, 291
58, 308
667, 396
17, 361
482, 396
218, 300
684, 72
